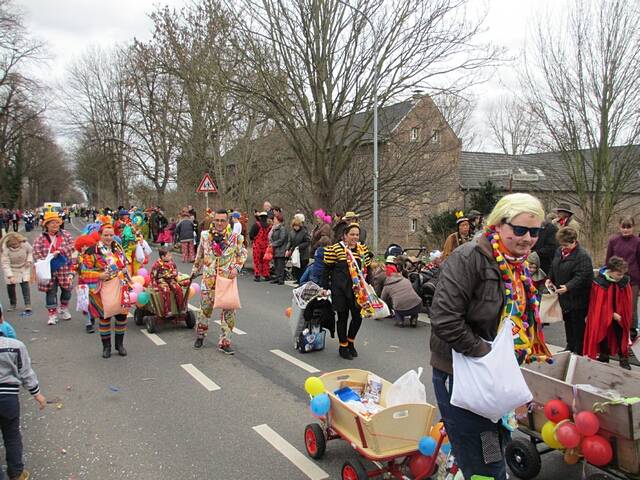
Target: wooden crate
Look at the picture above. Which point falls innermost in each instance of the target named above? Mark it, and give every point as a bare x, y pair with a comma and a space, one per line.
557, 380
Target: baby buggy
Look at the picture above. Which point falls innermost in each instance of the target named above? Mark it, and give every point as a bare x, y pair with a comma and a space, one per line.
311, 316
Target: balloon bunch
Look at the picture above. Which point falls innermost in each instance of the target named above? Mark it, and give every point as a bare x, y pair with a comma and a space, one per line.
137, 294
320, 401
579, 437
428, 444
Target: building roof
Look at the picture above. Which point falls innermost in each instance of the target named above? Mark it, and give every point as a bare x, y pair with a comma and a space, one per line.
389, 117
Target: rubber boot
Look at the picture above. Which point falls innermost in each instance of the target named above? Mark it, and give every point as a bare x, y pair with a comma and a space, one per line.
106, 347
119, 345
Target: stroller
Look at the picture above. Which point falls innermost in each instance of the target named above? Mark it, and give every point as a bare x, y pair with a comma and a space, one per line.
312, 315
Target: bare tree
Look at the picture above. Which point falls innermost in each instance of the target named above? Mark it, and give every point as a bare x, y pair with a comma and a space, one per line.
311, 66
514, 128
582, 81
458, 109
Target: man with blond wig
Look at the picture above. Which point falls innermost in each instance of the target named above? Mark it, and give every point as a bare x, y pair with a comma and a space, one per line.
482, 283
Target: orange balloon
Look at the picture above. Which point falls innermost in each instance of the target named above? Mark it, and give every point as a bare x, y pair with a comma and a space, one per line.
288, 311
435, 433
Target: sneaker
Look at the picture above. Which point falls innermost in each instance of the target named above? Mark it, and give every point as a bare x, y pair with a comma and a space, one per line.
227, 350
12, 308
90, 329
53, 320
198, 343
63, 313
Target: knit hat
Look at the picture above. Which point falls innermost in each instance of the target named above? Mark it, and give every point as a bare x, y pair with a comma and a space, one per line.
299, 217
50, 217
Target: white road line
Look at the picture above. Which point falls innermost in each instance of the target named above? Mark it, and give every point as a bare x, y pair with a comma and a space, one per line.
202, 379
306, 466
236, 330
295, 361
153, 337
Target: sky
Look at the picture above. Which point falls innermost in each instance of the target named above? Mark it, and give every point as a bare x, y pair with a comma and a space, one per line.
68, 27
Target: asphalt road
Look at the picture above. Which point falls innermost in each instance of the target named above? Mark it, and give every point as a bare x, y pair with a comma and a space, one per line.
146, 417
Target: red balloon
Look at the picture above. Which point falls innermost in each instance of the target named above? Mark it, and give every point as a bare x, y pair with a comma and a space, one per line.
568, 435
556, 411
597, 450
147, 279
587, 423
419, 465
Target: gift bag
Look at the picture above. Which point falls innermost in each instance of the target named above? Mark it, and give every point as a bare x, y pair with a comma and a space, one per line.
295, 258
493, 385
82, 298
226, 294
111, 296
550, 309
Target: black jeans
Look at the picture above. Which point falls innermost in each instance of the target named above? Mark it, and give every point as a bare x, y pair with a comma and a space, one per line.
354, 326
478, 444
26, 293
574, 325
297, 272
10, 425
401, 314
279, 264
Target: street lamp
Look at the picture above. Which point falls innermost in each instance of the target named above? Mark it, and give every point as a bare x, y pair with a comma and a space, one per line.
376, 73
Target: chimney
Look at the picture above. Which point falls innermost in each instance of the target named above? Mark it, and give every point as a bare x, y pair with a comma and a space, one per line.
417, 95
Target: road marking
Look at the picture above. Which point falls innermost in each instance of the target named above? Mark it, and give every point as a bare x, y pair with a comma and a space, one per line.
153, 337
236, 330
306, 466
295, 361
201, 378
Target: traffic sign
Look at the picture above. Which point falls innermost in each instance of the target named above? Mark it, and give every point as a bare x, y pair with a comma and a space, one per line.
207, 185
505, 172
525, 177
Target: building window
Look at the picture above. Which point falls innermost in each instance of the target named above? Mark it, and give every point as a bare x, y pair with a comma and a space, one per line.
414, 224
415, 134
435, 136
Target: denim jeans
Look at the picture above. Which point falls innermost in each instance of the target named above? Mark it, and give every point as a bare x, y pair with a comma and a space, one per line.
10, 425
52, 296
477, 443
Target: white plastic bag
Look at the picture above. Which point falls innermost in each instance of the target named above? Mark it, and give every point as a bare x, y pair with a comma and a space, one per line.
43, 269
493, 385
407, 389
295, 258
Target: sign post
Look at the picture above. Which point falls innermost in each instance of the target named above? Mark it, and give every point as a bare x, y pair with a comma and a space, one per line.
207, 186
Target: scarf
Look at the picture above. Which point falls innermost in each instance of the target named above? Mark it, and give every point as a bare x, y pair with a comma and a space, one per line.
521, 303
566, 251
358, 283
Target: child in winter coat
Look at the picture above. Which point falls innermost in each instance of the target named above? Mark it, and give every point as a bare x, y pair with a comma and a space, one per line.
16, 258
315, 271
399, 292
610, 314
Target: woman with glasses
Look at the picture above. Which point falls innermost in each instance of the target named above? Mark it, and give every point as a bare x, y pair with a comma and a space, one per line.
571, 276
483, 284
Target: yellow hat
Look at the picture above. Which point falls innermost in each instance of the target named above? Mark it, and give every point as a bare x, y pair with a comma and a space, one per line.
51, 216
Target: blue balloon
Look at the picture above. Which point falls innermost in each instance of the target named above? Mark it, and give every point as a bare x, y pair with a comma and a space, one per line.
446, 449
321, 404
427, 446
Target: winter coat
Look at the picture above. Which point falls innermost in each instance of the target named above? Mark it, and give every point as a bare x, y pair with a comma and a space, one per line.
572, 223
315, 271
467, 304
16, 262
278, 239
547, 245
185, 230
629, 249
378, 278
337, 273
400, 293
317, 233
301, 240
576, 272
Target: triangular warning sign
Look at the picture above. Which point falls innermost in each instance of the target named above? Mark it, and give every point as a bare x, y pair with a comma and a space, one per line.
207, 185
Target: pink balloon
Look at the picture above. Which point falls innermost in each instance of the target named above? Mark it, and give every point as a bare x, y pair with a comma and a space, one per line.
138, 287
133, 296
196, 287
143, 272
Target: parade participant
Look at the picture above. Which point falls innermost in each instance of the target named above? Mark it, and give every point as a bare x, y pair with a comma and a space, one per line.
399, 292
565, 218
570, 276
81, 244
184, 233
164, 279
626, 244
298, 238
16, 258
343, 261
259, 235
482, 283
610, 314
15, 371
60, 244
547, 243
459, 237
278, 238
222, 253
104, 270
321, 229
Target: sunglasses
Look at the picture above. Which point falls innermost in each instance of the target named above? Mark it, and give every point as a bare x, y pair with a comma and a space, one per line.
521, 231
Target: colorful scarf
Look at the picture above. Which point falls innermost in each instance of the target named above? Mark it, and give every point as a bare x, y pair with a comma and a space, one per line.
566, 251
358, 283
521, 304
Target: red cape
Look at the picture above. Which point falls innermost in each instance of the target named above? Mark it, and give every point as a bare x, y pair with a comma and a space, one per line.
600, 318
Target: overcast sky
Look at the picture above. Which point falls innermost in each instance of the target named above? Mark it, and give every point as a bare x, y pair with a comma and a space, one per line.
69, 26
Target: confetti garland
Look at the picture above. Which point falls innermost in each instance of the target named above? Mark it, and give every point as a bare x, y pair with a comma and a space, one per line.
359, 284
527, 333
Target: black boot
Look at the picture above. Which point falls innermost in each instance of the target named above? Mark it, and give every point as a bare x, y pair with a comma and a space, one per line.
352, 350
198, 343
624, 363
119, 346
106, 347
345, 353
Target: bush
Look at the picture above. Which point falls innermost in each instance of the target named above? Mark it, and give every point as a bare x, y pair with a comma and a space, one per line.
439, 227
